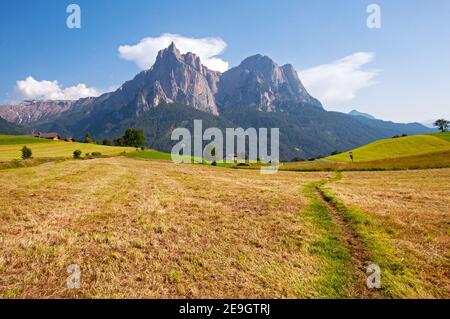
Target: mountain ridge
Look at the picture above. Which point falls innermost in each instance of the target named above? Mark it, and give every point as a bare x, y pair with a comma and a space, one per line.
256, 93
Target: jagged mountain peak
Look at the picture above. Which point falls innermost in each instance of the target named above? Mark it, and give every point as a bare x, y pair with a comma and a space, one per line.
260, 82
178, 78
169, 52
173, 55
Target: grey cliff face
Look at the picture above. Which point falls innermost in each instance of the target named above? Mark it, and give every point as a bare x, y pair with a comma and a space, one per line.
260, 82
182, 79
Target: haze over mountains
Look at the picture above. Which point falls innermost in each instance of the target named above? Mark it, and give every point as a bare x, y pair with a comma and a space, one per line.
178, 89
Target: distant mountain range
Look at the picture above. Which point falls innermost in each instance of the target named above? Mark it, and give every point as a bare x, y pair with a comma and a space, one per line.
178, 89
357, 113
10, 128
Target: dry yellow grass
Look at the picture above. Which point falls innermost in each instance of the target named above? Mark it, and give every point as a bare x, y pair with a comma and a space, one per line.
414, 206
154, 229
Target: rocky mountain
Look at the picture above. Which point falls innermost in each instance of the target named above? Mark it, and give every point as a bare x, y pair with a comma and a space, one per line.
178, 89
260, 83
177, 78
34, 111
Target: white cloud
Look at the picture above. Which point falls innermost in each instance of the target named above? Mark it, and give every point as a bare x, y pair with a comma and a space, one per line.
145, 52
339, 81
31, 89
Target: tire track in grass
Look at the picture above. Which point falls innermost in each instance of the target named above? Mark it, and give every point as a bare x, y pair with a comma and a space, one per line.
358, 255
369, 242
344, 256
333, 259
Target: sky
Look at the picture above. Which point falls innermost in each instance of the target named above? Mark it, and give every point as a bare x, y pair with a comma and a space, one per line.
398, 72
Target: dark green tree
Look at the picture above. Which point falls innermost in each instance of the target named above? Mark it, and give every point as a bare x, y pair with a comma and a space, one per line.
133, 138
442, 125
107, 142
119, 142
26, 153
88, 138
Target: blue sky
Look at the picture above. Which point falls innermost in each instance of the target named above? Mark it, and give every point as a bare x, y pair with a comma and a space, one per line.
400, 72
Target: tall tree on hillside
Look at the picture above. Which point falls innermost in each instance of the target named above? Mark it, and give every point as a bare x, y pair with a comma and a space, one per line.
442, 125
88, 138
132, 137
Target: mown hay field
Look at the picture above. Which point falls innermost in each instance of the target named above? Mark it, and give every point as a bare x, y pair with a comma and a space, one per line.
413, 207
154, 229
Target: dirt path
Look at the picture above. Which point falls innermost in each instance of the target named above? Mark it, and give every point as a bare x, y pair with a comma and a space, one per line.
360, 257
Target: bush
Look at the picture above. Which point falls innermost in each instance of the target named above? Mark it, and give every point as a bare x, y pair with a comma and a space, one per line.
77, 154
26, 153
107, 142
96, 154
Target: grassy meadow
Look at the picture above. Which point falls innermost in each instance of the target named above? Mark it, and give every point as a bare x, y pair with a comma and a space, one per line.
395, 147
402, 153
11, 146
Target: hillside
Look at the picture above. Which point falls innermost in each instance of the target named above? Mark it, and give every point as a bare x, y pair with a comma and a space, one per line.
11, 146
396, 147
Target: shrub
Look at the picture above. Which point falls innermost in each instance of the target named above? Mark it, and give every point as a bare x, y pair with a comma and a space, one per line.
26, 153
96, 154
77, 154
107, 142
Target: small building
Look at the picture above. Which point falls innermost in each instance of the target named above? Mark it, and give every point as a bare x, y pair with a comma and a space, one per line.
48, 136
69, 139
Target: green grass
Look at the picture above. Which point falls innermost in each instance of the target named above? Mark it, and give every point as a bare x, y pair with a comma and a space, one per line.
424, 161
444, 136
11, 146
151, 155
394, 148
334, 266
12, 140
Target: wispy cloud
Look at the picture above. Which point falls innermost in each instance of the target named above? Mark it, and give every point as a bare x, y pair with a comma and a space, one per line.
340, 80
145, 52
31, 89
